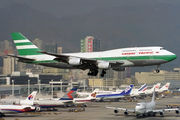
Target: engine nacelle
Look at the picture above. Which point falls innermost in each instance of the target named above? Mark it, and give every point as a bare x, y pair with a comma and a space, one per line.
26, 102
119, 69
161, 113
177, 111
74, 61
126, 113
103, 65
116, 111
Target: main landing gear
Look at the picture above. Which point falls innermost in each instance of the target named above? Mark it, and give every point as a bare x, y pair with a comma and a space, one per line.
103, 73
157, 70
94, 72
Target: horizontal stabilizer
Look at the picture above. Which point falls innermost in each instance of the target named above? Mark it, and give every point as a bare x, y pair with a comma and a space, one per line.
22, 58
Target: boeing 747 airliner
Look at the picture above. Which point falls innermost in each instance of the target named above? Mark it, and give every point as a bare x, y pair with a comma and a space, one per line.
116, 59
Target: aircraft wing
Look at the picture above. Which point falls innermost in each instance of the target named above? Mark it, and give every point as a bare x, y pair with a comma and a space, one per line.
65, 58
68, 102
22, 58
122, 109
163, 110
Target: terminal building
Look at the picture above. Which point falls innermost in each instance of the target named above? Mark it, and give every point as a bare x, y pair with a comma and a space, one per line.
153, 77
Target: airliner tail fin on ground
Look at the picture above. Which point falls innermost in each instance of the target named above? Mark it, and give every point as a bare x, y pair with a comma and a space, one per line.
31, 96
165, 87
127, 90
69, 95
143, 88
157, 86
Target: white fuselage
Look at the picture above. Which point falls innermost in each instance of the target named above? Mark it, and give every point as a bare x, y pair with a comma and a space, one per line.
9, 109
137, 56
142, 108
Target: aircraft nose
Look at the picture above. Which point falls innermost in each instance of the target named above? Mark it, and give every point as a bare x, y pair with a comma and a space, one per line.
171, 56
174, 56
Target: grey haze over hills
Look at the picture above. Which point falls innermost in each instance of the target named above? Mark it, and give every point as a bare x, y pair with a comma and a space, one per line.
154, 24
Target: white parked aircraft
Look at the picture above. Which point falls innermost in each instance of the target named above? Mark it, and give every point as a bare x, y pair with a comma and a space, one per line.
27, 101
116, 59
145, 109
114, 95
164, 88
137, 92
84, 101
150, 91
10, 109
67, 99
23, 105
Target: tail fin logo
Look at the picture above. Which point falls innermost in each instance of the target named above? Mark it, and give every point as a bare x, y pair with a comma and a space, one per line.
30, 97
145, 89
127, 89
93, 94
69, 94
166, 86
157, 86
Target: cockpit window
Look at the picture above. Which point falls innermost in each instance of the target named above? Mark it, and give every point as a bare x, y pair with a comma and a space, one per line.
161, 48
138, 104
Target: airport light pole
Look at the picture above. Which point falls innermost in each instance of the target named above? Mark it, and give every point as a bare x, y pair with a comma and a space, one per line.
106, 83
93, 84
12, 87
52, 87
61, 85
39, 81
71, 82
28, 87
84, 84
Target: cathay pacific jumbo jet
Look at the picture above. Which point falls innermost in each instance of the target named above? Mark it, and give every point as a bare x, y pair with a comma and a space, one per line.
116, 59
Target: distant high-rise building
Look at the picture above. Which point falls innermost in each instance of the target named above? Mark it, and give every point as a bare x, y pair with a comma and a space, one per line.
6, 47
59, 50
83, 46
50, 47
9, 65
90, 44
38, 43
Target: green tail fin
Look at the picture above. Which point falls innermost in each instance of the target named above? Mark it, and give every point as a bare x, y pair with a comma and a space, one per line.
24, 46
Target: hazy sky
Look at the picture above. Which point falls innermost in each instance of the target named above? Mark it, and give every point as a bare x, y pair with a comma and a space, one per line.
135, 29
74, 7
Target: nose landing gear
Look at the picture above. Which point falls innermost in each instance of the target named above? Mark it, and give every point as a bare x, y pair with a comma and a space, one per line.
157, 70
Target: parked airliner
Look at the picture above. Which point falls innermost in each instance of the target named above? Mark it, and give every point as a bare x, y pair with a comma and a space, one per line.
145, 109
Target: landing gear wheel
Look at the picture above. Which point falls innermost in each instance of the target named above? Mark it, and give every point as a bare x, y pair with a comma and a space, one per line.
92, 73
103, 72
102, 75
157, 70
137, 116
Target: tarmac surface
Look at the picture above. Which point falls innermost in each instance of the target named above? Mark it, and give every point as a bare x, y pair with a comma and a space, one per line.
98, 111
